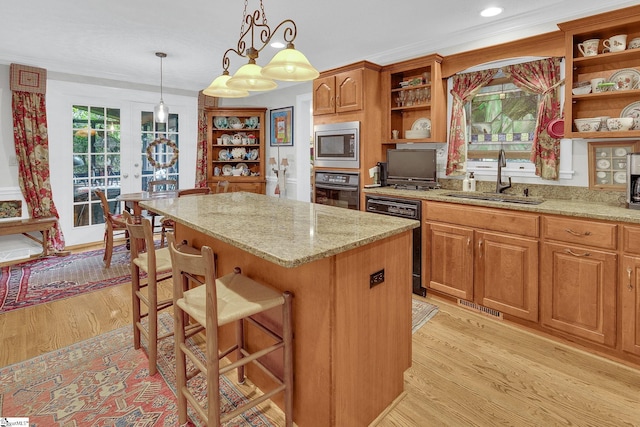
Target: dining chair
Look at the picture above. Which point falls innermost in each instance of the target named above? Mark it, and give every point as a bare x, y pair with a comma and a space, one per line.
113, 223
217, 301
167, 223
158, 186
222, 187
157, 266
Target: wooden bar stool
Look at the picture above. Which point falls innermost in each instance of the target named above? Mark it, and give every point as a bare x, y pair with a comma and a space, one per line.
218, 301
157, 265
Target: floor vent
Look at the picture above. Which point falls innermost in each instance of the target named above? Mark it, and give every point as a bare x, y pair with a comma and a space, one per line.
480, 309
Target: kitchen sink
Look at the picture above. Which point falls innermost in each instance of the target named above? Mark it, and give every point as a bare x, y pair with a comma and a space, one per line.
497, 197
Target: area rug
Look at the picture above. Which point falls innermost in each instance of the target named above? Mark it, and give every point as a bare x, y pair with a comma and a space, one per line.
48, 279
104, 381
421, 313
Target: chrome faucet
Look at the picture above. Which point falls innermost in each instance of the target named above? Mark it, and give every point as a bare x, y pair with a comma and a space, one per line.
502, 162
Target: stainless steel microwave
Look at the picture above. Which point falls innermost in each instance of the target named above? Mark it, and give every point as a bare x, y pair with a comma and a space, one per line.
337, 145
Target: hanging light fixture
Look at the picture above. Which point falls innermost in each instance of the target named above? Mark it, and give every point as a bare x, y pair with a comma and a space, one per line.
287, 65
161, 111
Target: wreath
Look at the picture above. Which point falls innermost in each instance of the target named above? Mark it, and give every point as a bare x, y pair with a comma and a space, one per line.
168, 143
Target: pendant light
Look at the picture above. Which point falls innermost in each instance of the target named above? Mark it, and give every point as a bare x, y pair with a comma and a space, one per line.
161, 111
288, 65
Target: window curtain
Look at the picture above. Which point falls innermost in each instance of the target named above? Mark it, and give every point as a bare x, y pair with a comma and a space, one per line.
204, 101
465, 86
28, 86
542, 77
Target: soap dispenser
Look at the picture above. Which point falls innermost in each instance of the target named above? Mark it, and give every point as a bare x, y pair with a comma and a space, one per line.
465, 183
472, 182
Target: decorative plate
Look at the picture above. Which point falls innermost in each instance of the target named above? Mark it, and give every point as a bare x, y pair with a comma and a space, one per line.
626, 79
620, 177
253, 154
226, 139
220, 122
242, 166
632, 110
226, 170
251, 122
234, 121
601, 174
238, 152
223, 155
421, 123
620, 152
603, 164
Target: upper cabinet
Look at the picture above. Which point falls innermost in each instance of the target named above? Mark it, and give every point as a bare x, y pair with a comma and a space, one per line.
338, 93
595, 51
414, 98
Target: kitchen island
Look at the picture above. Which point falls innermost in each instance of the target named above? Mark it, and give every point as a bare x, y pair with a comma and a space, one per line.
352, 333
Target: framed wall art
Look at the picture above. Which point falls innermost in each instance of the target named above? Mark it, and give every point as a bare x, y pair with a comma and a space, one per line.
281, 127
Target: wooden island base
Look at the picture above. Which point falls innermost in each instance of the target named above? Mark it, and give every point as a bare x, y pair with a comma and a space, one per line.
352, 341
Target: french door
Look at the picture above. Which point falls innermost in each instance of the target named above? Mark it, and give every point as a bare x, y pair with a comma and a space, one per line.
101, 161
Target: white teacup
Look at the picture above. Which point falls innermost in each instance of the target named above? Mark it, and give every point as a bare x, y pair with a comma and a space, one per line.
594, 85
615, 44
634, 43
589, 47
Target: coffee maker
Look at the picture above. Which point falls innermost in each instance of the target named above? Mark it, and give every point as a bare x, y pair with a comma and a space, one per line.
633, 180
382, 171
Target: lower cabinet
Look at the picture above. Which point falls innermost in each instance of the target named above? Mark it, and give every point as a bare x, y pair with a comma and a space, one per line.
578, 291
249, 187
629, 292
496, 270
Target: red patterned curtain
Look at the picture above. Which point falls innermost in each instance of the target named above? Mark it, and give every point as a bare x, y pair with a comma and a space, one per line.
465, 86
204, 101
28, 85
542, 77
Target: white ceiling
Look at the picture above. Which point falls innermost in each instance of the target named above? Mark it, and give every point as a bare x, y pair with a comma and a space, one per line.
117, 39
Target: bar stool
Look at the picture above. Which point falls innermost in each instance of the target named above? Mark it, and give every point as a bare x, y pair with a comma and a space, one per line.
157, 265
219, 301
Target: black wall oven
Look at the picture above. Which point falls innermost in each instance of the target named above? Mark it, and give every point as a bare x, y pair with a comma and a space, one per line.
337, 188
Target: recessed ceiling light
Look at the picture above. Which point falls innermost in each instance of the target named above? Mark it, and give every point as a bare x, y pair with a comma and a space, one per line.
277, 45
491, 11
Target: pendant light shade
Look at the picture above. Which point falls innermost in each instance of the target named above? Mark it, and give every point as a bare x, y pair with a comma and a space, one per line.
290, 65
161, 111
220, 89
249, 77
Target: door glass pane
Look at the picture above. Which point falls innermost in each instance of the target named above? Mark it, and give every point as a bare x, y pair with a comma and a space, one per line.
158, 158
96, 161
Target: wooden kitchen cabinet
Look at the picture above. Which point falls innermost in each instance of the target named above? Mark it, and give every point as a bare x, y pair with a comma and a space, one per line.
229, 148
469, 255
579, 269
338, 93
582, 69
630, 305
420, 78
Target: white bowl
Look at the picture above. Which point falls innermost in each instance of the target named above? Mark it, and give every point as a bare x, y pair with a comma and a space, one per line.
582, 90
236, 171
416, 133
237, 126
620, 123
591, 124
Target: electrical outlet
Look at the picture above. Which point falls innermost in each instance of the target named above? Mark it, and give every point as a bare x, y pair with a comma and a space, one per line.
376, 278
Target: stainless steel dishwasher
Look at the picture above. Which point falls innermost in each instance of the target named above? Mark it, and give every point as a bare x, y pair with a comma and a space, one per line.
403, 208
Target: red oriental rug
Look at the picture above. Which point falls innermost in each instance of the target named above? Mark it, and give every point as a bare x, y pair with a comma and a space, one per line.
48, 279
104, 382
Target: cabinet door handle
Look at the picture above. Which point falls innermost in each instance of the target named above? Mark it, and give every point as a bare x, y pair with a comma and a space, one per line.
629, 285
468, 241
480, 248
570, 252
575, 233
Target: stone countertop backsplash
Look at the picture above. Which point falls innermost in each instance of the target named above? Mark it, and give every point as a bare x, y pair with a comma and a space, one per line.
559, 200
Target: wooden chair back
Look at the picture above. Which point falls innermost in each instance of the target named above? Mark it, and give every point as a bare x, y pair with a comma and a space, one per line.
109, 218
222, 187
141, 235
194, 191
162, 185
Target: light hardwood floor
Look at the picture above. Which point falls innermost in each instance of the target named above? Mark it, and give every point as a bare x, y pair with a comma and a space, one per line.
468, 369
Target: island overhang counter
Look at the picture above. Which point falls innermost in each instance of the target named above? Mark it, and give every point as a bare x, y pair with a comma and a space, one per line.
352, 335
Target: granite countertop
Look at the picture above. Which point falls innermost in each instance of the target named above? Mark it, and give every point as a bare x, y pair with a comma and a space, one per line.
592, 209
286, 232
